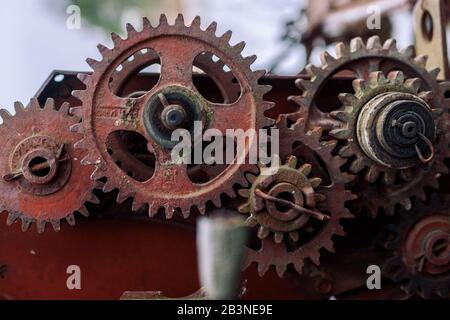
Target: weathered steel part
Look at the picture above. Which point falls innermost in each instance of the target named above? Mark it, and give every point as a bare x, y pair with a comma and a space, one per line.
103, 113
431, 40
321, 196
395, 137
420, 247
359, 59
42, 179
122, 148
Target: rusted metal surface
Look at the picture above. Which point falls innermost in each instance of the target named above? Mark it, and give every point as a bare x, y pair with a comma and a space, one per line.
41, 180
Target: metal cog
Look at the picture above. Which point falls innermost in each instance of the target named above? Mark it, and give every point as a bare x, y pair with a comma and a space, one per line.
320, 198
103, 112
124, 150
369, 62
42, 180
420, 246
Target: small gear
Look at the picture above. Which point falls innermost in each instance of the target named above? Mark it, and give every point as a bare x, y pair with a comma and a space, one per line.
392, 131
103, 113
42, 180
297, 207
420, 246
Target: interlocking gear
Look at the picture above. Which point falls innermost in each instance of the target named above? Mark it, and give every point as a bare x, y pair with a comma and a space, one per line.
300, 204
42, 180
420, 246
172, 103
392, 131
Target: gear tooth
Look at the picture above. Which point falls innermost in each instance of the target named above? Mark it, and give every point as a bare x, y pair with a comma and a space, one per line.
239, 47
341, 50
293, 235
34, 105
426, 95
26, 223
356, 44
84, 211
12, 217
202, 209
299, 100
346, 151
359, 85
443, 292
315, 182
262, 268
64, 108
196, 22
340, 115
56, 224
292, 162
263, 232
312, 70
244, 193
347, 98
390, 45
18, 107
408, 52
81, 144
376, 78
50, 104
281, 269
90, 159
426, 292
153, 209
421, 60
305, 169
278, 237
108, 186
217, 202
75, 111
250, 177
373, 43
413, 84
231, 193
102, 49
121, 197
315, 257
320, 197
226, 37
389, 177
212, 27
92, 63
169, 211
330, 246
5, 115
357, 165
130, 30
435, 72
372, 174
136, 204
163, 20
79, 94
76, 128
40, 226
70, 220
146, 24
249, 60
396, 77
96, 175
326, 58
341, 134
179, 20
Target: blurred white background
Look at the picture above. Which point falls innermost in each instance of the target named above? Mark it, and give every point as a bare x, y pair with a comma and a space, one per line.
35, 39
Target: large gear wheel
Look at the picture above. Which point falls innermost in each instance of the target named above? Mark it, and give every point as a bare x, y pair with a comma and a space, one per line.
392, 166
42, 179
297, 207
103, 113
125, 149
395, 138
420, 246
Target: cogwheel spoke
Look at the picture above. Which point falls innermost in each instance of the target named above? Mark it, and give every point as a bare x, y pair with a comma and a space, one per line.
176, 62
230, 116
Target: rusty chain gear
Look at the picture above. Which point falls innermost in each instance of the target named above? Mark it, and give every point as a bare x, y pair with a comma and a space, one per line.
284, 202
42, 179
390, 165
420, 248
103, 113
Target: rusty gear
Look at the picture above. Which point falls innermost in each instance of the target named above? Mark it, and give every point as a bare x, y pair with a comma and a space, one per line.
124, 150
406, 165
103, 113
282, 203
42, 178
421, 250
